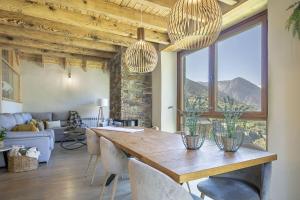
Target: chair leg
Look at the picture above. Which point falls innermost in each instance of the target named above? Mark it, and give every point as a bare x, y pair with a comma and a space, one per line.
114, 189
189, 188
107, 175
94, 170
88, 167
202, 195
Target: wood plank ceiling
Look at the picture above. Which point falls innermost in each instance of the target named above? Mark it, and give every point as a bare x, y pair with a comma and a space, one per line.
84, 29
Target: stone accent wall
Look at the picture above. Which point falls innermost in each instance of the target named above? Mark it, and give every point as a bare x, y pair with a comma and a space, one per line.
115, 86
130, 93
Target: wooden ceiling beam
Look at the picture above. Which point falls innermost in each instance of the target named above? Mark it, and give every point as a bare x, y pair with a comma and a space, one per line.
9, 40
170, 3
160, 3
18, 32
36, 24
71, 62
110, 10
75, 19
56, 54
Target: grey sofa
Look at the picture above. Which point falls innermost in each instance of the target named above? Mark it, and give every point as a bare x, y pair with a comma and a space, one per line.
43, 140
54, 116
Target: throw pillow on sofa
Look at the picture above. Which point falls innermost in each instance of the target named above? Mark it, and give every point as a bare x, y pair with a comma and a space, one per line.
53, 124
40, 125
37, 123
25, 127
32, 121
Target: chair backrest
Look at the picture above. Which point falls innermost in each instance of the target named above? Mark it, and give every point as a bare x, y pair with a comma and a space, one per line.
258, 176
148, 183
113, 159
93, 142
251, 175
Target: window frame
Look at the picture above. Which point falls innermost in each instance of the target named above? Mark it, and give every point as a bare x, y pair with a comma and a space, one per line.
260, 18
11, 65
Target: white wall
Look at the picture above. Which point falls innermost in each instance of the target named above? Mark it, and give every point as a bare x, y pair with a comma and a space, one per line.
168, 91
10, 107
164, 87
284, 103
49, 88
156, 95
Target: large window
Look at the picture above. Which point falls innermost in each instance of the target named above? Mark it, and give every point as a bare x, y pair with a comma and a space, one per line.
236, 67
10, 78
239, 68
196, 75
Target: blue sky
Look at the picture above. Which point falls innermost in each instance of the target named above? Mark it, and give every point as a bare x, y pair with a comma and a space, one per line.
238, 56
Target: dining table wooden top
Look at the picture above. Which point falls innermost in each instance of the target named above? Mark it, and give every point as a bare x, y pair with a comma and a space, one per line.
165, 152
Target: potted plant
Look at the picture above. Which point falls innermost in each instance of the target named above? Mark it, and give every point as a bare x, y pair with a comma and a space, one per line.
193, 133
2, 137
294, 20
229, 133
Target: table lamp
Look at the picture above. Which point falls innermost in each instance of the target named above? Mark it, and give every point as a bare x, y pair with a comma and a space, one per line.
102, 102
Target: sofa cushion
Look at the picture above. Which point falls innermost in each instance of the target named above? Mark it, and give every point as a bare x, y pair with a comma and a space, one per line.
7, 121
47, 116
64, 123
40, 125
19, 118
62, 116
37, 123
25, 127
53, 124
27, 117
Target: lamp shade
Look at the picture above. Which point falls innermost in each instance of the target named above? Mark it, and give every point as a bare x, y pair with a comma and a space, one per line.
102, 102
141, 57
194, 24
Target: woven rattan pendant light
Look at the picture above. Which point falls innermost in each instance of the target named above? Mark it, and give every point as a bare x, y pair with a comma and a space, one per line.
194, 24
141, 57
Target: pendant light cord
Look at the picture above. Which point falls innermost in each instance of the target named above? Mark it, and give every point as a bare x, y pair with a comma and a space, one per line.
141, 16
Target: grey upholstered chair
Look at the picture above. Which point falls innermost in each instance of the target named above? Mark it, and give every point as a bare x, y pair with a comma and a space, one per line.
114, 161
93, 148
246, 184
148, 183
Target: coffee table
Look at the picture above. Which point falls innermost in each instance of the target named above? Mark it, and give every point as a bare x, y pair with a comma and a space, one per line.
5, 150
73, 139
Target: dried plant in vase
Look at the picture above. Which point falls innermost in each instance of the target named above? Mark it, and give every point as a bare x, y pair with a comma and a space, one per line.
229, 133
193, 133
294, 20
2, 137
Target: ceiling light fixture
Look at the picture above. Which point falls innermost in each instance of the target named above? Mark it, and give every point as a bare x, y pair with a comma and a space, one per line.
194, 24
141, 57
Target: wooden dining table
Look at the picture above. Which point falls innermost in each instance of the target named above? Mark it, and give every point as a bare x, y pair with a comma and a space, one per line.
165, 152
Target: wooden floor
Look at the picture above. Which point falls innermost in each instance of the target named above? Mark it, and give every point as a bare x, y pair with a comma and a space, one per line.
62, 179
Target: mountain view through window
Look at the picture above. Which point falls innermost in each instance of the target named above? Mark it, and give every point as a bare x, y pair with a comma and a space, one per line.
237, 74
238, 70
